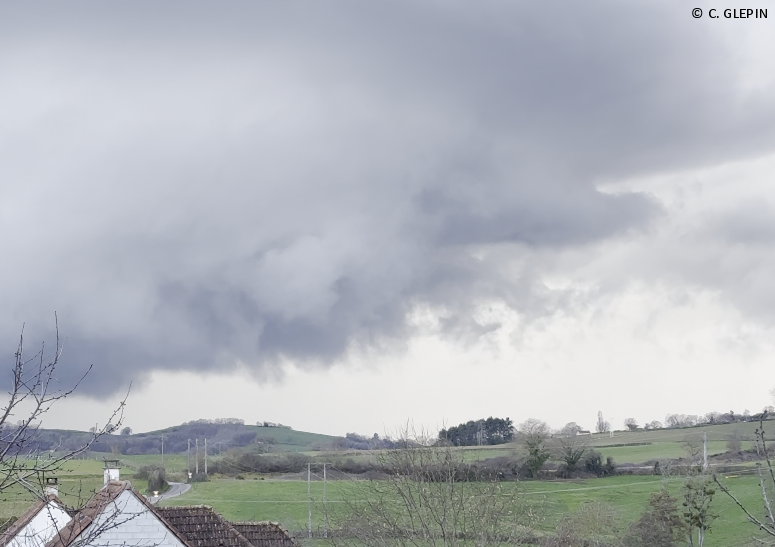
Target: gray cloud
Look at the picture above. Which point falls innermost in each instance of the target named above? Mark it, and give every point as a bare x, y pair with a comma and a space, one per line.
193, 185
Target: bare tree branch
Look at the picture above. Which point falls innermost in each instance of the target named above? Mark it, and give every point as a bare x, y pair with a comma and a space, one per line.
34, 392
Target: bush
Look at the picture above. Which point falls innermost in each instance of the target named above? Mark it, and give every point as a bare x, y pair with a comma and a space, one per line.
659, 526
199, 477
594, 464
144, 473
257, 463
593, 524
157, 480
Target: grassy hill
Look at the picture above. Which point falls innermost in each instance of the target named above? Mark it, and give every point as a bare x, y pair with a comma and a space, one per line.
638, 447
220, 438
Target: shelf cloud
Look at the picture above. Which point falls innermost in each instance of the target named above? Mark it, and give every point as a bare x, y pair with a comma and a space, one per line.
194, 186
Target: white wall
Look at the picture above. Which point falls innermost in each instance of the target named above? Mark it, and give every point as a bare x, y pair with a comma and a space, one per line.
42, 527
128, 522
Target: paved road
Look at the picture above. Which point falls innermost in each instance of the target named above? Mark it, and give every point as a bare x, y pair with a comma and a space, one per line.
176, 489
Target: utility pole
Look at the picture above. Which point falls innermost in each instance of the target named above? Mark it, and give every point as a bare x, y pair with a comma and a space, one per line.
325, 509
188, 457
205, 455
196, 460
162, 450
309, 503
704, 451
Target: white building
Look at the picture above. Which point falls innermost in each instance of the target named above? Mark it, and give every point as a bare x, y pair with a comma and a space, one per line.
40, 523
117, 515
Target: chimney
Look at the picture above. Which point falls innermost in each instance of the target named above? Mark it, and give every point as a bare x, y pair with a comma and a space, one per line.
52, 486
110, 472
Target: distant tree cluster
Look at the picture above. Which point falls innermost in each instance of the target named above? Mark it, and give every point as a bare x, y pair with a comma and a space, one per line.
691, 420
480, 432
216, 421
355, 441
631, 424
261, 423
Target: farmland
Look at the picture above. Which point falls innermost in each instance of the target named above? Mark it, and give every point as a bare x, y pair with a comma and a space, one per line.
287, 501
284, 498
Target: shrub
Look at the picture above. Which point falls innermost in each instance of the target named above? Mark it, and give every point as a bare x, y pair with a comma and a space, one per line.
199, 477
594, 464
157, 480
144, 473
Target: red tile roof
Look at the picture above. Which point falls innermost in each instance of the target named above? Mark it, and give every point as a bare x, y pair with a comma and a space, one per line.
203, 527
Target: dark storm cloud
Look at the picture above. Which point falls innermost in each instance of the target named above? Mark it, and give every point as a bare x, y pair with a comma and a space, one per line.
192, 185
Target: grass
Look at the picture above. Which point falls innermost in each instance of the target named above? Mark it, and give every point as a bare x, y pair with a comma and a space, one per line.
173, 463
637, 447
287, 501
78, 480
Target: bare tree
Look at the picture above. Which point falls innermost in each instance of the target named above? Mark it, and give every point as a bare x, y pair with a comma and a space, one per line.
602, 426
34, 391
631, 424
570, 429
430, 497
570, 451
734, 441
534, 434
766, 483
698, 492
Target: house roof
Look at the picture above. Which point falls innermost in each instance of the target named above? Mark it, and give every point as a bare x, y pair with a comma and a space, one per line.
203, 527
27, 516
195, 526
96, 505
265, 534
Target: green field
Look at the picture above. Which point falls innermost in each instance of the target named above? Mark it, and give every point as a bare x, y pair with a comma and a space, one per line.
287, 501
78, 480
637, 447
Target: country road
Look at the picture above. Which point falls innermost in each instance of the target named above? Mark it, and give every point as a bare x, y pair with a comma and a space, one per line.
176, 489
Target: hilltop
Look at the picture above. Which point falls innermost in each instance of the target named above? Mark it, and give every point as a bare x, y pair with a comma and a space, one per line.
221, 436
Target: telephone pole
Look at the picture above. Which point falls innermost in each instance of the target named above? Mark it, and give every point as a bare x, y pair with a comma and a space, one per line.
705, 452
205, 455
188, 457
162, 450
309, 503
325, 509
196, 460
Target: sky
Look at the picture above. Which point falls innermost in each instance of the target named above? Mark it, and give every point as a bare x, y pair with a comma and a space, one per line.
349, 216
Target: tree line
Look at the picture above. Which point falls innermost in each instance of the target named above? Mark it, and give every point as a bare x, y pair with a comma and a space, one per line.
480, 432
